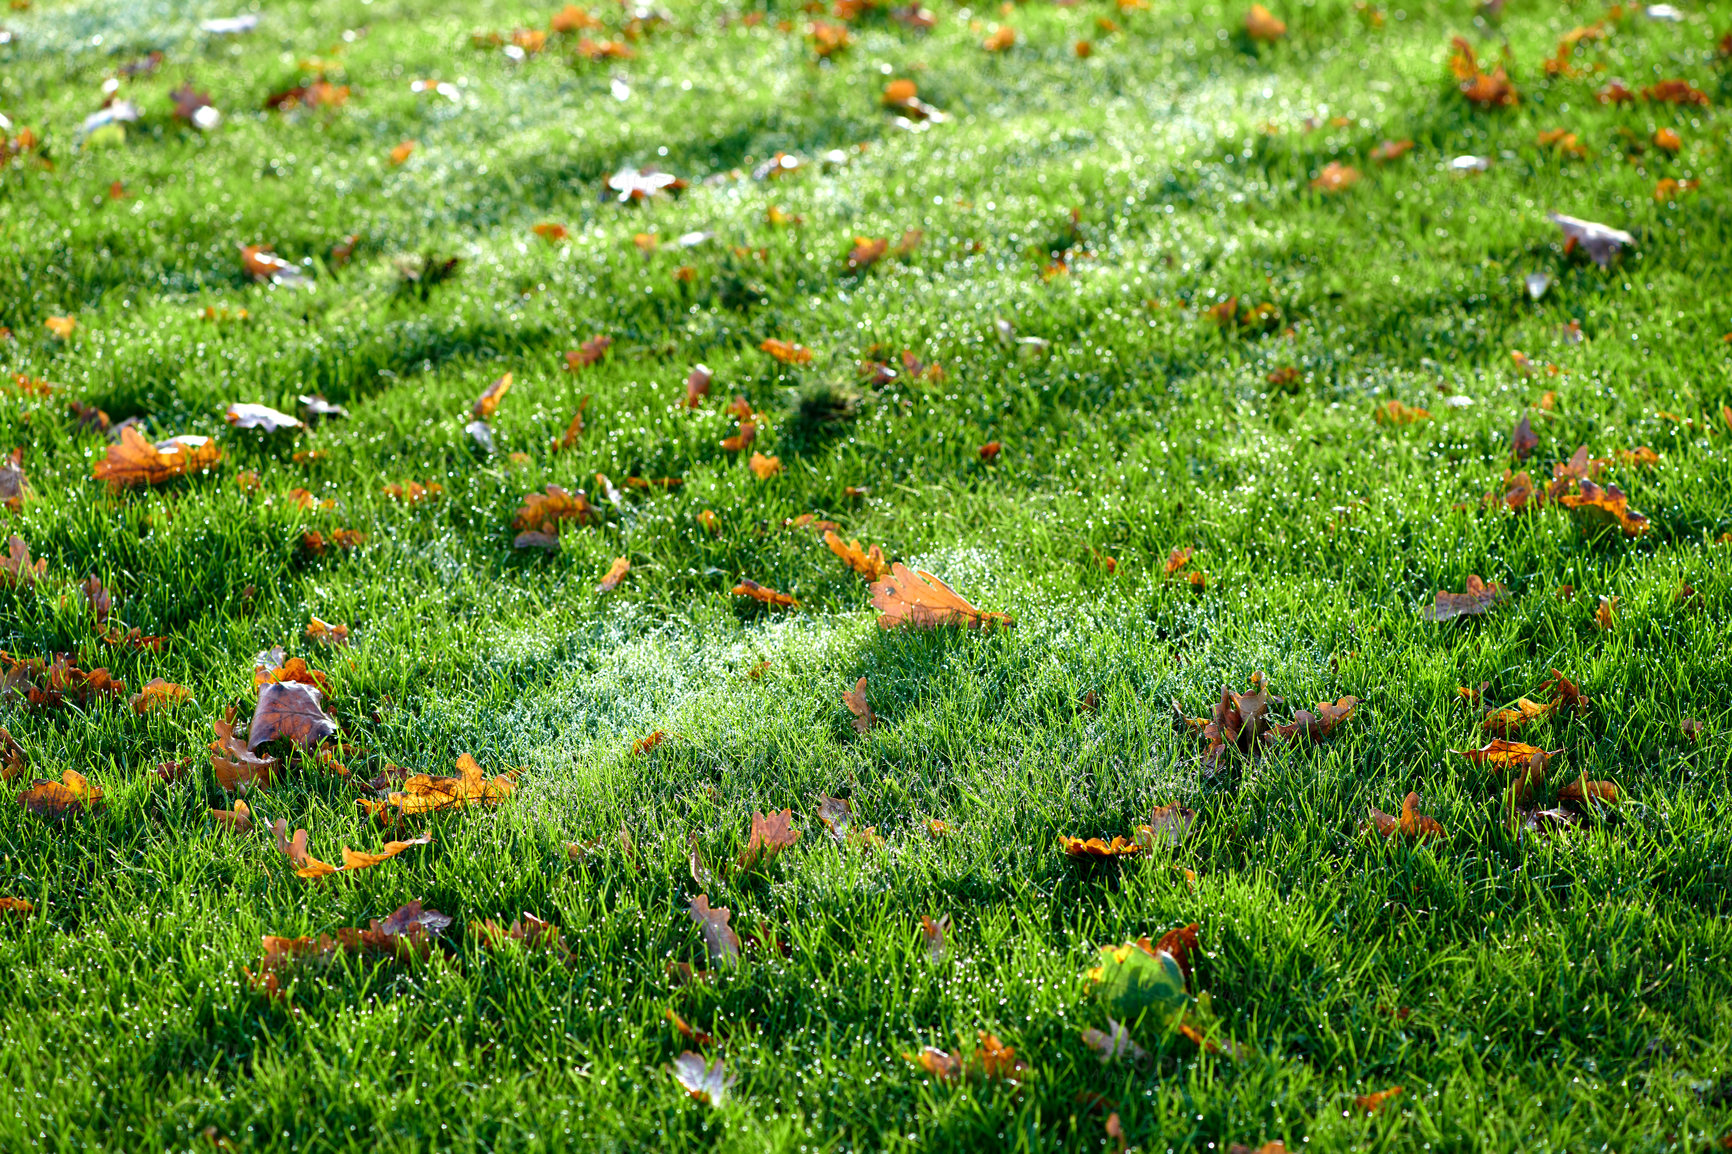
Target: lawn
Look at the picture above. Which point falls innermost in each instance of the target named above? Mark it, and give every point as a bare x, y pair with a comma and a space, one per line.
1209, 352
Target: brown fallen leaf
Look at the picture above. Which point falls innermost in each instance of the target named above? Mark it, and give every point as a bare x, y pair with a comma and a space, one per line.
423, 793
19, 908
720, 939
1689, 727
1335, 177
1606, 614
158, 694
1396, 413
757, 592
1478, 598
1582, 791
694, 1036
236, 767
770, 835
290, 709
52, 684
1523, 440
1605, 507
239, 819
135, 461
71, 796
945, 1067
1410, 823
1169, 825
919, 600
855, 700
644, 744
1261, 24
355, 859
17, 569
1177, 559
1370, 1103
527, 930
1507, 721
14, 764
1505, 755
1095, 847
870, 564
488, 402
1318, 725
615, 574
787, 353
14, 486
1238, 722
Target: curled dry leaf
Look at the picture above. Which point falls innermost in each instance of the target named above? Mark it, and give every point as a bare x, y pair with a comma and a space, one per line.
645, 744
757, 592
615, 574
135, 461
708, 1084
14, 486
945, 1067
1178, 559
787, 353
71, 796
17, 569
354, 859
720, 940
1608, 506
765, 467
771, 834
270, 666
290, 709
1335, 177
1606, 614
1507, 721
1261, 24
327, 634
51, 685
1095, 847
1318, 725
573, 429
698, 386
1583, 792
247, 416
1410, 823
236, 767
527, 930
486, 404
1238, 722
17, 907
1371, 1103
14, 764
870, 563
588, 353
1580, 467
855, 700
239, 819
1478, 598
919, 600
1523, 440
158, 694
1396, 413
694, 1036
1601, 242
932, 936
423, 793
1506, 755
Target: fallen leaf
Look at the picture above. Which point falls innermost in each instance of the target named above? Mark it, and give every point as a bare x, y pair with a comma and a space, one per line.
245, 416
945, 1067
1523, 440
932, 937
1391, 150
771, 834
61, 327
1370, 1103
1601, 242
1396, 413
695, 1037
17, 569
1676, 92
403, 151
1095, 847
14, 486
135, 461
757, 592
870, 564
588, 353
1000, 39
423, 793
707, 1084
698, 386
989, 451
787, 353
1478, 598
71, 796
1607, 506
1318, 725
290, 709
719, 938
1261, 24
1505, 755
1582, 792
51, 684
239, 819
14, 764
855, 700
1564, 693
1605, 616
1689, 727
920, 600
765, 467
1507, 721
327, 634
1411, 823
1169, 825
644, 744
19, 908
158, 694
573, 430
355, 859
527, 930
270, 666
1335, 177
615, 574
488, 401
236, 767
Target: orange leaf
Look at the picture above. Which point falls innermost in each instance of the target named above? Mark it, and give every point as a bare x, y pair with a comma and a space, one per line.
1411, 823
1095, 847
920, 600
488, 401
13, 763
771, 834
765, 467
1371, 1102
327, 634
71, 796
719, 937
645, 744
1605, 616
135, 461
1391, 150
870, 564
1335, 177
615, 574
17, 569
551, 232
1261, 24
1318, 725
1001, 38
944, 1067
757, 592
403, 151
239, 819
1478, 598
1606, 506
1396, 413
788, 354
158, 694
1506, 755
855, 700
588, 353
61, 327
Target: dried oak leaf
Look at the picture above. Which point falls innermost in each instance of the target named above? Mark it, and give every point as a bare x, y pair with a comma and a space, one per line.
1580, 467
71, 796
545, 511
292, 710
645, 744
1478, 598
424, 793
720, 940
17, 907
1095, 847
527, 930
269, 667
855, 700
1565, 694
488, 401
51, 684
1506, 755
158, 694
1168, 825
771, 834
945, 1067
586, 354
17, 569
869, 563
13, 762
135, 461
1582, 792
1607, 506
764, 467
1396, 413
1371, 1103
236, 767
1177, 560
239, 819
1507, 721
694, 1036
1410, 823
1318, 725
757, 592
326, 634
1238, 722
354, 859
786, 352
14, 486
919, 600
1523, 440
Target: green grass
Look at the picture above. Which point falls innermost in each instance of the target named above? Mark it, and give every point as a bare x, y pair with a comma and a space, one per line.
1566, 992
